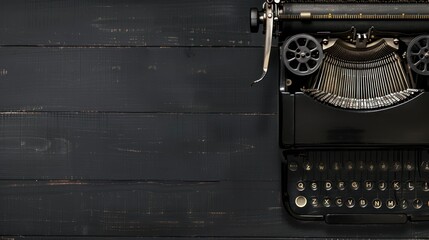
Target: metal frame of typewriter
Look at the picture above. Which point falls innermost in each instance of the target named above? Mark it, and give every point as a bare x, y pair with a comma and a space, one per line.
368, 116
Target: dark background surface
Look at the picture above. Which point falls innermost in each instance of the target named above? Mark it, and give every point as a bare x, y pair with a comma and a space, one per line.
137, 119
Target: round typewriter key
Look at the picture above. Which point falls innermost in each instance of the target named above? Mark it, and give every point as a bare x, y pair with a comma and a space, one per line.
390, 204
410, 185
349, 165
361, 165
425, 186
397, 166
314, 186
341, 185
350, 202
293, 166
300, 186
417, 203
376, 203
314, 202
396, 185
383, 166
322, 167
409, 166
404, 204
300, 201
328, 185
336, 166
307, 166
354, 185
371, 166
327, 202
363, 203
339, 202
382, 185
425, 166
369, 185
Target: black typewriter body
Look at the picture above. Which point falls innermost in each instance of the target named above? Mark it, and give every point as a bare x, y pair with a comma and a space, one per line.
354, 108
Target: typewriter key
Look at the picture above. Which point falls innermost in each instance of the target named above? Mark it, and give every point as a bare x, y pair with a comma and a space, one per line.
396, 185
314, 186
396, 166
307, 166
349, 165
382, 185
300, 201
404, 204
369, 185
390, 203
363, 203
339, 202
314, 202
327, 202
328, 185
425, 166
336, 166
361, 165
371, 167
341, 185
425, 186
417, 203
350, 203
376, 203
409, 166
293, 166
383, 166
300, 186
321, 167
355, 185
410, 185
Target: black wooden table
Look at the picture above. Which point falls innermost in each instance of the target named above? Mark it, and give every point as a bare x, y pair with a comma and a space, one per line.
136, 118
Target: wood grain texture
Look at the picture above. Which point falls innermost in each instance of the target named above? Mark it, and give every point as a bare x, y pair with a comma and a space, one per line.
130, 118
128, 23
136, 80
141, 238
121, 146
204, 209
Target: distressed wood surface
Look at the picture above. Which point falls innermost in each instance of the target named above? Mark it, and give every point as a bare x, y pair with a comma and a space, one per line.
204, 209
133, 146
136, 80
128, 22
130, 118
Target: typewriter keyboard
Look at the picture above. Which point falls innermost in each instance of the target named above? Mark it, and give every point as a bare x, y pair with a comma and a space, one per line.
379, 186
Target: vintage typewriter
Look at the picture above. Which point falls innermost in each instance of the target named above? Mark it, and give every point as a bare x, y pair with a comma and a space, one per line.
354, 107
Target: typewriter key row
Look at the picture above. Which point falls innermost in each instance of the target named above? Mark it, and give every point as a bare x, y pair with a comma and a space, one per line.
367, 185
350, 202
360, 165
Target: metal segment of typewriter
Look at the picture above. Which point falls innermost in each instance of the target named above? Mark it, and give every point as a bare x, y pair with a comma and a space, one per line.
354, 84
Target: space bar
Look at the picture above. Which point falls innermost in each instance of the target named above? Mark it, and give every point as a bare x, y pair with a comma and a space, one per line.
365, 218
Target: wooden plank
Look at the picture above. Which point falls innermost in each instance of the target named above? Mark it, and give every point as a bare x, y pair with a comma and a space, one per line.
143, 238
119, 146
128, 23
136, 80
204, 209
